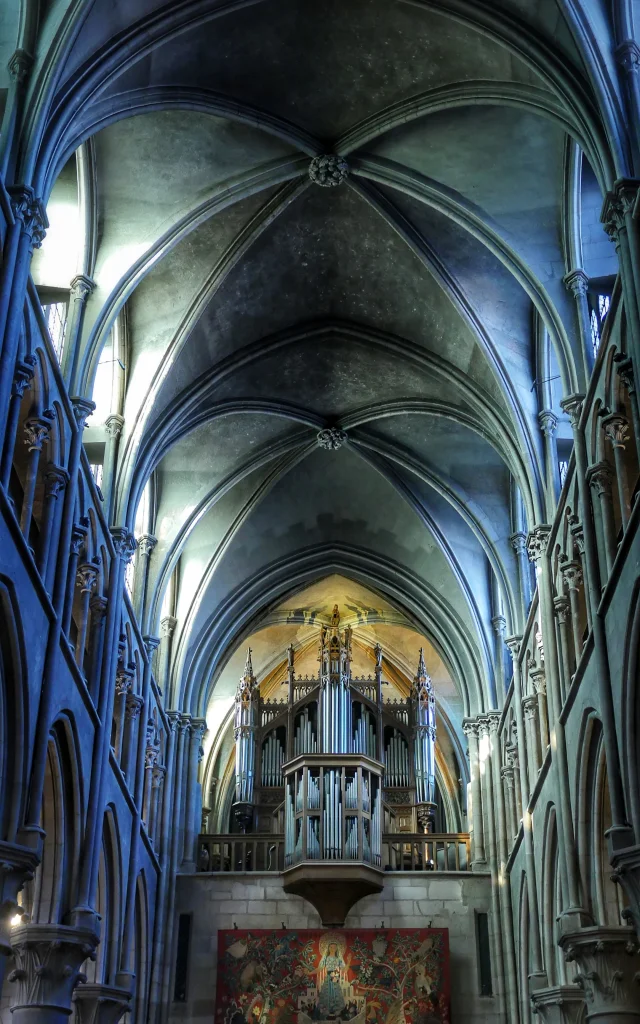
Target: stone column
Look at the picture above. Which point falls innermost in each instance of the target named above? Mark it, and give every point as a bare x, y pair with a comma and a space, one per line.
78, 537
98, 609
37, 430
577, 283
519, 545
540, 689
198, 729
167, 629
532, 734
55, 480
124, 682
113, 428
548, 425
146, 544
616, 430
81, 288
607, 965
17, 866
47, 959
561, 608
572, 578
470, 729
627, 55
499, 624
618, 222
599, 477
101, 1004
538, 551
537, 976
507, 775
132, 708
563, 1004
87, 577
21, 381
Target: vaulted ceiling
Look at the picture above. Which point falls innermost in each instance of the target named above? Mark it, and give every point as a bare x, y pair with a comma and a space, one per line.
409, 307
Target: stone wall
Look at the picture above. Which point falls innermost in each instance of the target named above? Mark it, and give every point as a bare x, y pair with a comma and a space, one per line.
258, 901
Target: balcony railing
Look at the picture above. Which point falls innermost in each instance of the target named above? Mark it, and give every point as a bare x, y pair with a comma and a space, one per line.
401, 851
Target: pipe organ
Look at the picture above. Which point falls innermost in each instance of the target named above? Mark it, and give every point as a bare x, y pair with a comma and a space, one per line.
333, 757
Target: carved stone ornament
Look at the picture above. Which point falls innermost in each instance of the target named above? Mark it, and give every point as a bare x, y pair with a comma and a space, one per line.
98, 606
398, 797
548, 422
563, 1004
562, 608
607, 964
331, 438
577, 282
82, 286
537, 542
37, 430
17, 866
168, 625
530, 707
577, 532
113, 425
133, 706
23, 375
628, 56
519, 543
30, 210
78, 535
151, 644
101, 1004
87, 576
572, 575
124, 542
514, 644
124, 681
19, 66
146, 544
158, 773
626, 872
82, 409
600, 476
616, 429
539, 680
624, 366
47, 959
572, 405
56, 479
328, 171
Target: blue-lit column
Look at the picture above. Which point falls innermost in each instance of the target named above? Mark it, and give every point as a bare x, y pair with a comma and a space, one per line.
335, 695
424, 745
246, 721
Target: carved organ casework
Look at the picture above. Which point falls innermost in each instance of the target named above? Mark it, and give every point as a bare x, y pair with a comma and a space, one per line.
339, 764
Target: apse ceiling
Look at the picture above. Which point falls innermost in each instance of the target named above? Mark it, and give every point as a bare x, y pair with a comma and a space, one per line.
401, 308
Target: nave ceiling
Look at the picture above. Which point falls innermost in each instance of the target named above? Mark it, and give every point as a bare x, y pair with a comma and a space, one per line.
411, 308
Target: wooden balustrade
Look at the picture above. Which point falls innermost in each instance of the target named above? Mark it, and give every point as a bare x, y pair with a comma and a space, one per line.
401, 851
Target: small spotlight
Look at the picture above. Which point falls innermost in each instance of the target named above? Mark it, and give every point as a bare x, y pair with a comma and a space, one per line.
16, 920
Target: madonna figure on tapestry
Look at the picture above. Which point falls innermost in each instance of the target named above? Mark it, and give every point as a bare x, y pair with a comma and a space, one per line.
394, 976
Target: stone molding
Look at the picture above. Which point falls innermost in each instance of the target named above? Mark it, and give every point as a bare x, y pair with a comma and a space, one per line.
101, 1004
56, 479
48, 958
113, 425
38, 429
616, 429
576, 282
146, 544
563, 1004
25, 369
537, 542
607, 964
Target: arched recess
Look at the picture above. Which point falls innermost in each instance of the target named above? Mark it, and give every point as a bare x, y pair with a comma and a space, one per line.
109, 905
523, 933
240, 615
14, 714
553, 901
631, 705
141, 949
49, 897
604, 900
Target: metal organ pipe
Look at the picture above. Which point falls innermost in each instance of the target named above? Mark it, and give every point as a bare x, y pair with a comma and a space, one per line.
425, 734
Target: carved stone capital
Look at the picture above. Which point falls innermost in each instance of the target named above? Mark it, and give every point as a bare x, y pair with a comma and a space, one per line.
577, 282
17, 866
173, 717
82, 409
113, 425
519, 543
331, 438
563, 1004
56, 479
146, 544
626, 872
617, 204
124, 681
167, 626
124, 543
81, 287
562, 608
572, 405
37, 430
78, 535
29, 210
47, 960
572, 575
624, 366
98, 606
470, 727
328, 170
616, 429
19, 66
530, 706
23, 376
507, 775
600, 476
158, 773
514, 644
577, 532
537, 542
87, 576
151, 644
151, 757
607, 964
627, 55
539, 680
499, 624
548, 422
133, 706
101, 1004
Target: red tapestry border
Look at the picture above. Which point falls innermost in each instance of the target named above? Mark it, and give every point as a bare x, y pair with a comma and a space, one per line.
388, 976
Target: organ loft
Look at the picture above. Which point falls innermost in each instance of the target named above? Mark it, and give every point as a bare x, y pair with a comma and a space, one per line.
333, 766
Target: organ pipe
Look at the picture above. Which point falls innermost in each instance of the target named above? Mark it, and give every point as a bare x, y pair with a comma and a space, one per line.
424, 744
246, 720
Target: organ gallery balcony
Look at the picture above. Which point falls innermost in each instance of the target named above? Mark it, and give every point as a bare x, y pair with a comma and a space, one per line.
333, 831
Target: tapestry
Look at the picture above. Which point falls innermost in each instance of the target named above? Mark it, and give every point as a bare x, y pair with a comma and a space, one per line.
390, 976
